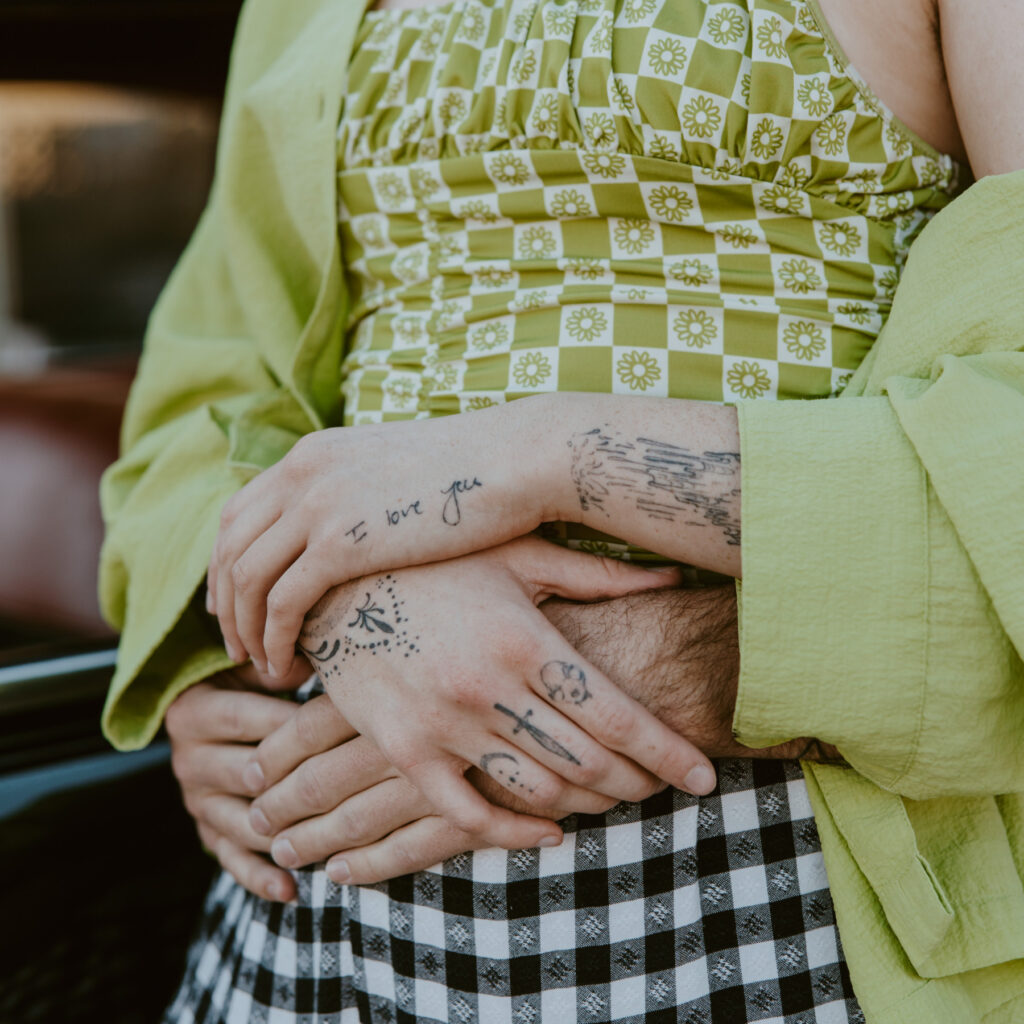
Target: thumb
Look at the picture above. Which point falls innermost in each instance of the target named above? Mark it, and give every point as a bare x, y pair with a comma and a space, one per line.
578, 576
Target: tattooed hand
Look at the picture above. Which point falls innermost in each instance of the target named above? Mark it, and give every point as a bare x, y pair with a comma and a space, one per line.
452, 665
352, 502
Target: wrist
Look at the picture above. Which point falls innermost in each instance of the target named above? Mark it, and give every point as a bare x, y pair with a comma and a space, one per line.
539, 428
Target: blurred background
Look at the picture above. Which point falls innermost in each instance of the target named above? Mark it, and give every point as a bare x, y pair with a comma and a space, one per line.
108, 121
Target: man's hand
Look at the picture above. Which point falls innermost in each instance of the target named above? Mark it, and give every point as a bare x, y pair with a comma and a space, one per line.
214, 727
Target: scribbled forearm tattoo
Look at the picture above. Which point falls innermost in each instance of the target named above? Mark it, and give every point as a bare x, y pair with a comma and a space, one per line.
665, 481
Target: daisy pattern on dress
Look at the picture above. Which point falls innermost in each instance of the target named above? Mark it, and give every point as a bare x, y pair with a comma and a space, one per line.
727, 26
537, 243
767, 139
586, 323
799, 276
831, 134
701, 117
531, 369
489, 336
840, 237
508, 169
571, 203
771, 39
814, 96
666, 56
633, 235
695, 328
638, 370
748, 380
804, 339
670, 203
604, 164
694, 273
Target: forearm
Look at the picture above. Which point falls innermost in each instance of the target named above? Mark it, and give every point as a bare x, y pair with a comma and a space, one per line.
677, 653
663, 474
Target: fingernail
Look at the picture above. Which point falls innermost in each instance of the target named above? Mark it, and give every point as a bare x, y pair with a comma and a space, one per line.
259, 822
210, 606
700, 781
271, 671
551, 841
233, 653
284, 853
253, 777
338, 871
275, 892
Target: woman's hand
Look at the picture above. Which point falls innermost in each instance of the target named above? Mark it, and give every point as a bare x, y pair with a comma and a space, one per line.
452, 665
214, 727
351, 501
346, 503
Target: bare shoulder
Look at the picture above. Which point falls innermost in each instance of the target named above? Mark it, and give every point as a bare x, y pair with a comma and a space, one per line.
896, 46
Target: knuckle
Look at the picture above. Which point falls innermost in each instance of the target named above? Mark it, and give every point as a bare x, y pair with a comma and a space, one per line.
279, 602
227, 515
307, 730
353, 830
241, 578
231, 725
176, 717
590, 772
309, 787
547, 793
192, 804
181, 763
618, 724
399, 751
466, 689
473, 821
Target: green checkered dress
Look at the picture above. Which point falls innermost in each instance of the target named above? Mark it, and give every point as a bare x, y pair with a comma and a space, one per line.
683, 199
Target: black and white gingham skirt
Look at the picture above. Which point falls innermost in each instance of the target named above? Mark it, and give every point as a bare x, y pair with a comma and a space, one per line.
710, 910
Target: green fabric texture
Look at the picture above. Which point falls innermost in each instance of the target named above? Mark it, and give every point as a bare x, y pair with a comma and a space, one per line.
906, 560
242, 353
883, 611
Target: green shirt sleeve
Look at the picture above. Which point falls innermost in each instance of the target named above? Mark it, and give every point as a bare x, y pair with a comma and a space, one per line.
883, 602
883, 611
241, 356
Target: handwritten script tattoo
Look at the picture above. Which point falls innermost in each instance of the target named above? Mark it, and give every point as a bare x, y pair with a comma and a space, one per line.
564, 682
452, 513
395, 516
335, 632
547, 742
357, 533
666, 481
504, 768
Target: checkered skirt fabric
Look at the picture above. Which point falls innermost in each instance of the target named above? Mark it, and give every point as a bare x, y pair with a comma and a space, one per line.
710, 910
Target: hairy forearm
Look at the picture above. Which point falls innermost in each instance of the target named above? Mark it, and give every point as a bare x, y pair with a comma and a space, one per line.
677, 652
